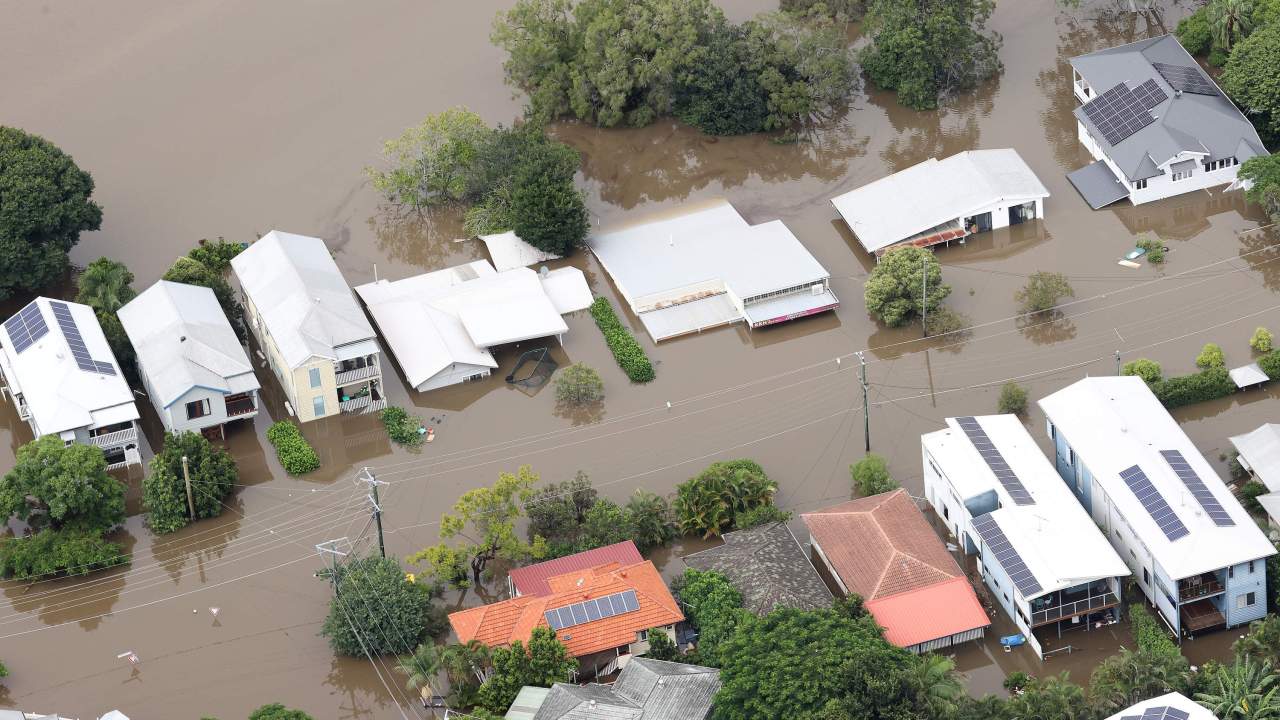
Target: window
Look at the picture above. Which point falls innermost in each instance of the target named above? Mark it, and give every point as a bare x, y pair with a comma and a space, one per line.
1140, 184
1231, 571
1250, 567
946, 512
315, 377
642, 635
1181, 175
1146, 577
1245, 600
317, 405
1219, 164
197, 409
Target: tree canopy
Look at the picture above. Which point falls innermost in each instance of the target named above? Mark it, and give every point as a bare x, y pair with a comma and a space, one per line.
1264, 173
570, 517
276, 711
713, 606
871, 476
709, 503
1250, 79
44, 206
213, 475
105, 285
55, 485
376, 609
896, 290
543, 664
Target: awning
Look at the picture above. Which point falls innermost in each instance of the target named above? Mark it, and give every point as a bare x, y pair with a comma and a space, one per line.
790, 307
1098, 185
1248, 375
690, 317
1184, 166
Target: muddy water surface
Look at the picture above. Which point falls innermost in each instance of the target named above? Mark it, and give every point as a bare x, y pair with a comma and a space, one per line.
202, 119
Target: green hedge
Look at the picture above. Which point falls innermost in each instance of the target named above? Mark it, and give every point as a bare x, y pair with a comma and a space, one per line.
1208, 384
1270, 364
1148, 634
295, 453
58, 552
626, 350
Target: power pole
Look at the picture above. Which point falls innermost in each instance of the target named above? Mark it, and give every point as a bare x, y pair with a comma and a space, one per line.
924, 296
866, 406
186, 478
329, 550
1117, 362
366, 476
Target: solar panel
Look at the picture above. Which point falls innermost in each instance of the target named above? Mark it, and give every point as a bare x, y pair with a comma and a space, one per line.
1185, 78
1150, 94
1155, 503
1160, 712
995, 461
1008, 557
1120, 112
1192, 480
26, 327
75, 342
592, 610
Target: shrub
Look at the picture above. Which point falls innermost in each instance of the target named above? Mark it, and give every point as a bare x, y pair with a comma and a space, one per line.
622, 343
1013, 399
1016, 681
70, 551
661, 646
1043, 291
892, 292
1148, 634
944, 321
4, 671
213, 475
1250, 492
1261, 341
763, 515
579, 384
215, 255
713, 606
1153, 246
710, 503
871, 476
389, 613
1194, 32
295, 453
402, 427
276, 711
649, 516
1148, 370
1198, 387
1270, 364
1210, 357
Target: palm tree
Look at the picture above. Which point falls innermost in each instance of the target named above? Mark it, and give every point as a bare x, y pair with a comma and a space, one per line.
934, 680
1229, 20
1244, 690
104, 285
1128, 677
1262, 644
421, 667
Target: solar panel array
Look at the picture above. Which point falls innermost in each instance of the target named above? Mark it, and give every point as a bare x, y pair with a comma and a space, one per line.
1009, 558
1150, 94
1201, 493
1120, 112
26, 327
995, 461
71, 332
591, 610
1185, 78
1160, 712
1155, 503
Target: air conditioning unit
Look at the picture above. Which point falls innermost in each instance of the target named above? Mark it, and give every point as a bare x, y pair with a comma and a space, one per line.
818, 289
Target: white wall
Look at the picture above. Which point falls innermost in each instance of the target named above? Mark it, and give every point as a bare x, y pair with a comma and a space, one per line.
175, 417
452, 375
1161, 186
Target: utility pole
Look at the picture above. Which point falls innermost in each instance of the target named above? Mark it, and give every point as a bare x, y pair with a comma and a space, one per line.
1117, 362
186, 478
866, 406
329, 549
366, 476
924, 296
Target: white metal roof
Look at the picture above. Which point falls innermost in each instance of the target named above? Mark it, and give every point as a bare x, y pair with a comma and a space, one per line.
1194, 710
1115, 422
1260, 450
302, 297
706, 243
509, 252
930, 193
1055, 536
183, 341
60, 395
1248, 375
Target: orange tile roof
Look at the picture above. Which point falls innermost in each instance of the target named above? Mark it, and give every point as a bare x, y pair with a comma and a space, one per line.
933, 612
502, 623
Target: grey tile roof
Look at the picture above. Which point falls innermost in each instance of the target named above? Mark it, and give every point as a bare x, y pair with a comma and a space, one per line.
645, 690
1185, 121
768, 567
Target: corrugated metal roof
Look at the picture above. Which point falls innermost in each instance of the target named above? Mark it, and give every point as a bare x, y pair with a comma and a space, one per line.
1098, 185
645, 690
929, 613
532, 579
1261, 450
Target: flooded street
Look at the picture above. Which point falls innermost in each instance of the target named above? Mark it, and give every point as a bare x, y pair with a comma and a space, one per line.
203, 119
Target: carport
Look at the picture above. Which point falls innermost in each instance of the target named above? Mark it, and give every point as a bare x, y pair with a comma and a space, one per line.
1098, 185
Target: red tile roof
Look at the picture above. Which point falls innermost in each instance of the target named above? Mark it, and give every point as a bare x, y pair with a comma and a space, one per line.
504, 622
532, 579
933, 612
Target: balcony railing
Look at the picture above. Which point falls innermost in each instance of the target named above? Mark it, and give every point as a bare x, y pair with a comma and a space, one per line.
241, 406
357, 374
1195, 591
116, 439
1071, 609
361, 405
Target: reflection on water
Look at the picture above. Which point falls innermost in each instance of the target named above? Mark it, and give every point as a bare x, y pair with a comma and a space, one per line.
1047, 328
61, 600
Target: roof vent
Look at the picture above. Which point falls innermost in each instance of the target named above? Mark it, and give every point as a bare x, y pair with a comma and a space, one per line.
182, 338
591, 703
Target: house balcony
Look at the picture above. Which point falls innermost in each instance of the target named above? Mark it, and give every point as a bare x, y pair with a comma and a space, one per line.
116, 439
1198, 587
363, 405
1067, 610
24, 412
241, 405
348, 377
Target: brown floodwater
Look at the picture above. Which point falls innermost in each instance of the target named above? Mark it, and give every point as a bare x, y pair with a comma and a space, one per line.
201, 119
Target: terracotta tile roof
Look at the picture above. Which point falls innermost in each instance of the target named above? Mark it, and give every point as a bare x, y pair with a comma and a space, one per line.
504, 622
532, 579
881, 545
946, 608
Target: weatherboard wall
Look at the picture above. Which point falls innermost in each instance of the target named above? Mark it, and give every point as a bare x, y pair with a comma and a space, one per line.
1240, 583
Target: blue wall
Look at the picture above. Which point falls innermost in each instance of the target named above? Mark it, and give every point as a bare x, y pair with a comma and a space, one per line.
1241, 582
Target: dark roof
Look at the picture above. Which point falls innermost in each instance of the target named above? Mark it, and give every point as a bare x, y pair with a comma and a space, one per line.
1189, 121
768, 567
1098, 185
532, 579
645, 690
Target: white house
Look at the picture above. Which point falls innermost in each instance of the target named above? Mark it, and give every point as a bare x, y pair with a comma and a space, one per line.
60, 373
441, 325
1195, 553
1170, 706
937, 201
192, 364
314, 334
1040, 554
702, 267
1260, 455
1155, 123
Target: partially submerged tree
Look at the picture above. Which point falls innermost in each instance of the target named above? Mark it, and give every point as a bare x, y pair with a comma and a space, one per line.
579, 384
904, 282
213, 474
709, 503
105, 285
1261, 340
871, 476
1249, 78
1210, 357
375, 609
1043, 291
1013, 399
276, 711
1148, 370
1264, 174
429, 163
543, 664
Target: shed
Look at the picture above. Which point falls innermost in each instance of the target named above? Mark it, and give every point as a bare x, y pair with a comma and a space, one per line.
509, 252
1248, 376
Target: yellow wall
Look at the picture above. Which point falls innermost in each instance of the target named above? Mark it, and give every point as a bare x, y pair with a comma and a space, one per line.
306, 394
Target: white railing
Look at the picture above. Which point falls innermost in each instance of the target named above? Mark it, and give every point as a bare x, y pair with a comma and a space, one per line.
365, 404
358, 374
115, 439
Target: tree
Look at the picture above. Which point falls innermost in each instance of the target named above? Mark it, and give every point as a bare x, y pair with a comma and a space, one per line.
467, 666
4, 671
1229, 20
421, 668
429, 163
1043, 291
276, 711
1195, 33
1053, 697
1249, 78
1148, 370
937, 686
904, 281
376, 609
544, 664
871, 476
55, 485
44, 206
547, 210
1210, 357
556, 513
710, 502
722, 94
1013, 399
1262, 643
1128, 677
578, 384
105, 286
763, 515
118, 341
216, 255
926, 49
484, 520
1261, 340
851, 606
402, 428
808, 70
649, 515
605, 523
661, 646
1264, 174
1244, 690
713, 606
213, 474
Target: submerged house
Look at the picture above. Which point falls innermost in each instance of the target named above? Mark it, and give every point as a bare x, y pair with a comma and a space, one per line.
768, 566
441, 325
59, 372
938, 201
703, 267
1155, 123
535, 579
1039, 553
1193, 550
1260, 456
316, 338
645, 690
192, 364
